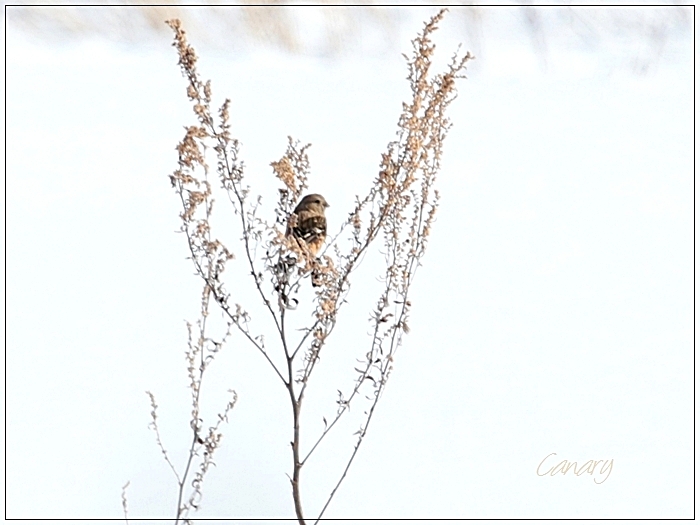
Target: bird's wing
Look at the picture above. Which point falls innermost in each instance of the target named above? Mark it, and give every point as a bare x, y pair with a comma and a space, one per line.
310, 227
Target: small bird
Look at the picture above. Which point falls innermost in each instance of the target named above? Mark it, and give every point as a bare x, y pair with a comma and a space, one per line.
309, 224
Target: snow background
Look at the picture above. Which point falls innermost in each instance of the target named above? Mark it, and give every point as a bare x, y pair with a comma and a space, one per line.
553, 311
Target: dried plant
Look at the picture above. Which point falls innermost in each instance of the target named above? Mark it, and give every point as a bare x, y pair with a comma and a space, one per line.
201, 351
399, 208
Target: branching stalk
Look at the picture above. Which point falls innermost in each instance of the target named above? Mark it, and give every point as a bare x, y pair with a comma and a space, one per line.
399, 208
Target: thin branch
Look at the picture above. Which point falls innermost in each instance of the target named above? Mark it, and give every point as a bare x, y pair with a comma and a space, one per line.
124, 506
154, 426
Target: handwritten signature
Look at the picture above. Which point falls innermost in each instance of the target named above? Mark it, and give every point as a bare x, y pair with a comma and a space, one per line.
589, 467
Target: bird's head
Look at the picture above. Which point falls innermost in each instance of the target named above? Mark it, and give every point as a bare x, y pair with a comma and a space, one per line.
313, 201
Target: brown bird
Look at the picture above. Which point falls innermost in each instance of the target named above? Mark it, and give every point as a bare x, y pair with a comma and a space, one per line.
308, 222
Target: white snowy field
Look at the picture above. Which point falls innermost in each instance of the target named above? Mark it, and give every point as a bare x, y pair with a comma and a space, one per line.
553, 312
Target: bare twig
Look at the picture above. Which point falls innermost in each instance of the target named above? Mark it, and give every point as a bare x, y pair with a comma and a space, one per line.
124, 506
154, 426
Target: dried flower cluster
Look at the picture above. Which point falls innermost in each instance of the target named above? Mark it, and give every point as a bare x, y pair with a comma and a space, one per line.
400, 208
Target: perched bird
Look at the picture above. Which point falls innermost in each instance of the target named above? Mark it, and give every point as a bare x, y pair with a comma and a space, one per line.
308, 222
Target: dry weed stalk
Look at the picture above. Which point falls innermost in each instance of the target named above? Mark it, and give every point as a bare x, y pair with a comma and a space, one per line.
201, 351
400, 207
